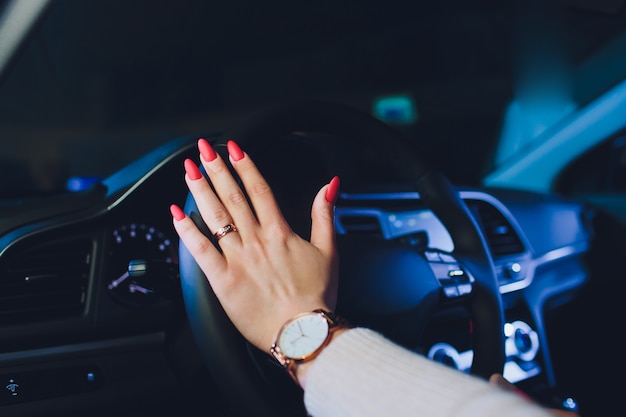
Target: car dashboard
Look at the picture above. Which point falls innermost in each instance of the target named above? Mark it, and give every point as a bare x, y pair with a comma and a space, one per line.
531, 274
92, 318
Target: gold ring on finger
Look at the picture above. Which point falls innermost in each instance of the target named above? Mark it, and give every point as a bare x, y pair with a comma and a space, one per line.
223, 231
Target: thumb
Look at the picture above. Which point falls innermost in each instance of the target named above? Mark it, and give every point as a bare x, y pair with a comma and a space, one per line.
323, 216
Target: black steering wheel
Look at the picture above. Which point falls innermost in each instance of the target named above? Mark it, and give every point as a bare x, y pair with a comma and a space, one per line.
251, 385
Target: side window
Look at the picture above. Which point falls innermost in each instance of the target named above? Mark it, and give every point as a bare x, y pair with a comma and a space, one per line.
601, 170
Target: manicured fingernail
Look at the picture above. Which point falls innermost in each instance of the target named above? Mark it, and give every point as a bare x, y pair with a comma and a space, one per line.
234, 150
207, 152
177, 213
522, 394
332, 192
192, 170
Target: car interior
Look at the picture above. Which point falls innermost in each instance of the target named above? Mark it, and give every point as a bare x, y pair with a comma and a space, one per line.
480, 223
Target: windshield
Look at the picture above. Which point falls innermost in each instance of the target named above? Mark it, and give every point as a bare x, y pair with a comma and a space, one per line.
99, 83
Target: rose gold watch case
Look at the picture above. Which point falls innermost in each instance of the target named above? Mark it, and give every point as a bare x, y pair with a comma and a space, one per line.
290, 362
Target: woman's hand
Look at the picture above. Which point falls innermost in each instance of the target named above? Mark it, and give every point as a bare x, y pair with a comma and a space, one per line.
265, 273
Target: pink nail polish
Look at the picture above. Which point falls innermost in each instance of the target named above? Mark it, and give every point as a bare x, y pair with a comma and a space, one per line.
177, 213
234, 150
192, 170
523, 394
332, 192
206, 150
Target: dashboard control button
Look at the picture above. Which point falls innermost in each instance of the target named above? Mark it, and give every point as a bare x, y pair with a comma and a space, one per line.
432, 256
443, 357
512, 270
464, 289
48, 383
13, 389
447, 258
521, 341
446, 354
520, 364
456, 273
451, 291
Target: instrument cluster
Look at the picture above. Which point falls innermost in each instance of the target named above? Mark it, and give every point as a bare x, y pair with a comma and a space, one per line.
143, 264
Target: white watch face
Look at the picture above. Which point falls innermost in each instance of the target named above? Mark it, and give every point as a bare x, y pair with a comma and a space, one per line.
303, 336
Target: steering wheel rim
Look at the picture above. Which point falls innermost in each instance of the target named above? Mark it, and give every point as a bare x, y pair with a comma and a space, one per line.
230, 358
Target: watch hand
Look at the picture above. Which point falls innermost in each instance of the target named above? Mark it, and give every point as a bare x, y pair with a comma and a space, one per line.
138, 288
119, 280
295, 340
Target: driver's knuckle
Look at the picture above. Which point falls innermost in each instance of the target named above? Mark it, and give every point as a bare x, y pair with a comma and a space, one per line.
221, 216
200, 246
327, 214
236, 198
280, 232
255, 250
261, 189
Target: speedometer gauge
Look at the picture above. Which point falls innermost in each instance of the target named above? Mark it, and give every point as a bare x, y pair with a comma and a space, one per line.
143, 264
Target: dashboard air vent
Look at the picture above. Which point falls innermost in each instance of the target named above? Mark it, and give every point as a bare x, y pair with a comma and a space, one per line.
361, 224
44, 281
501, 237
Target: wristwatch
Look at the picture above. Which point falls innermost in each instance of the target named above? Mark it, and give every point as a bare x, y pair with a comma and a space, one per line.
303, 337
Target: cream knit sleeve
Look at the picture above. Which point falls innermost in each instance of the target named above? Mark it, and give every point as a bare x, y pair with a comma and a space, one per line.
363, 374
